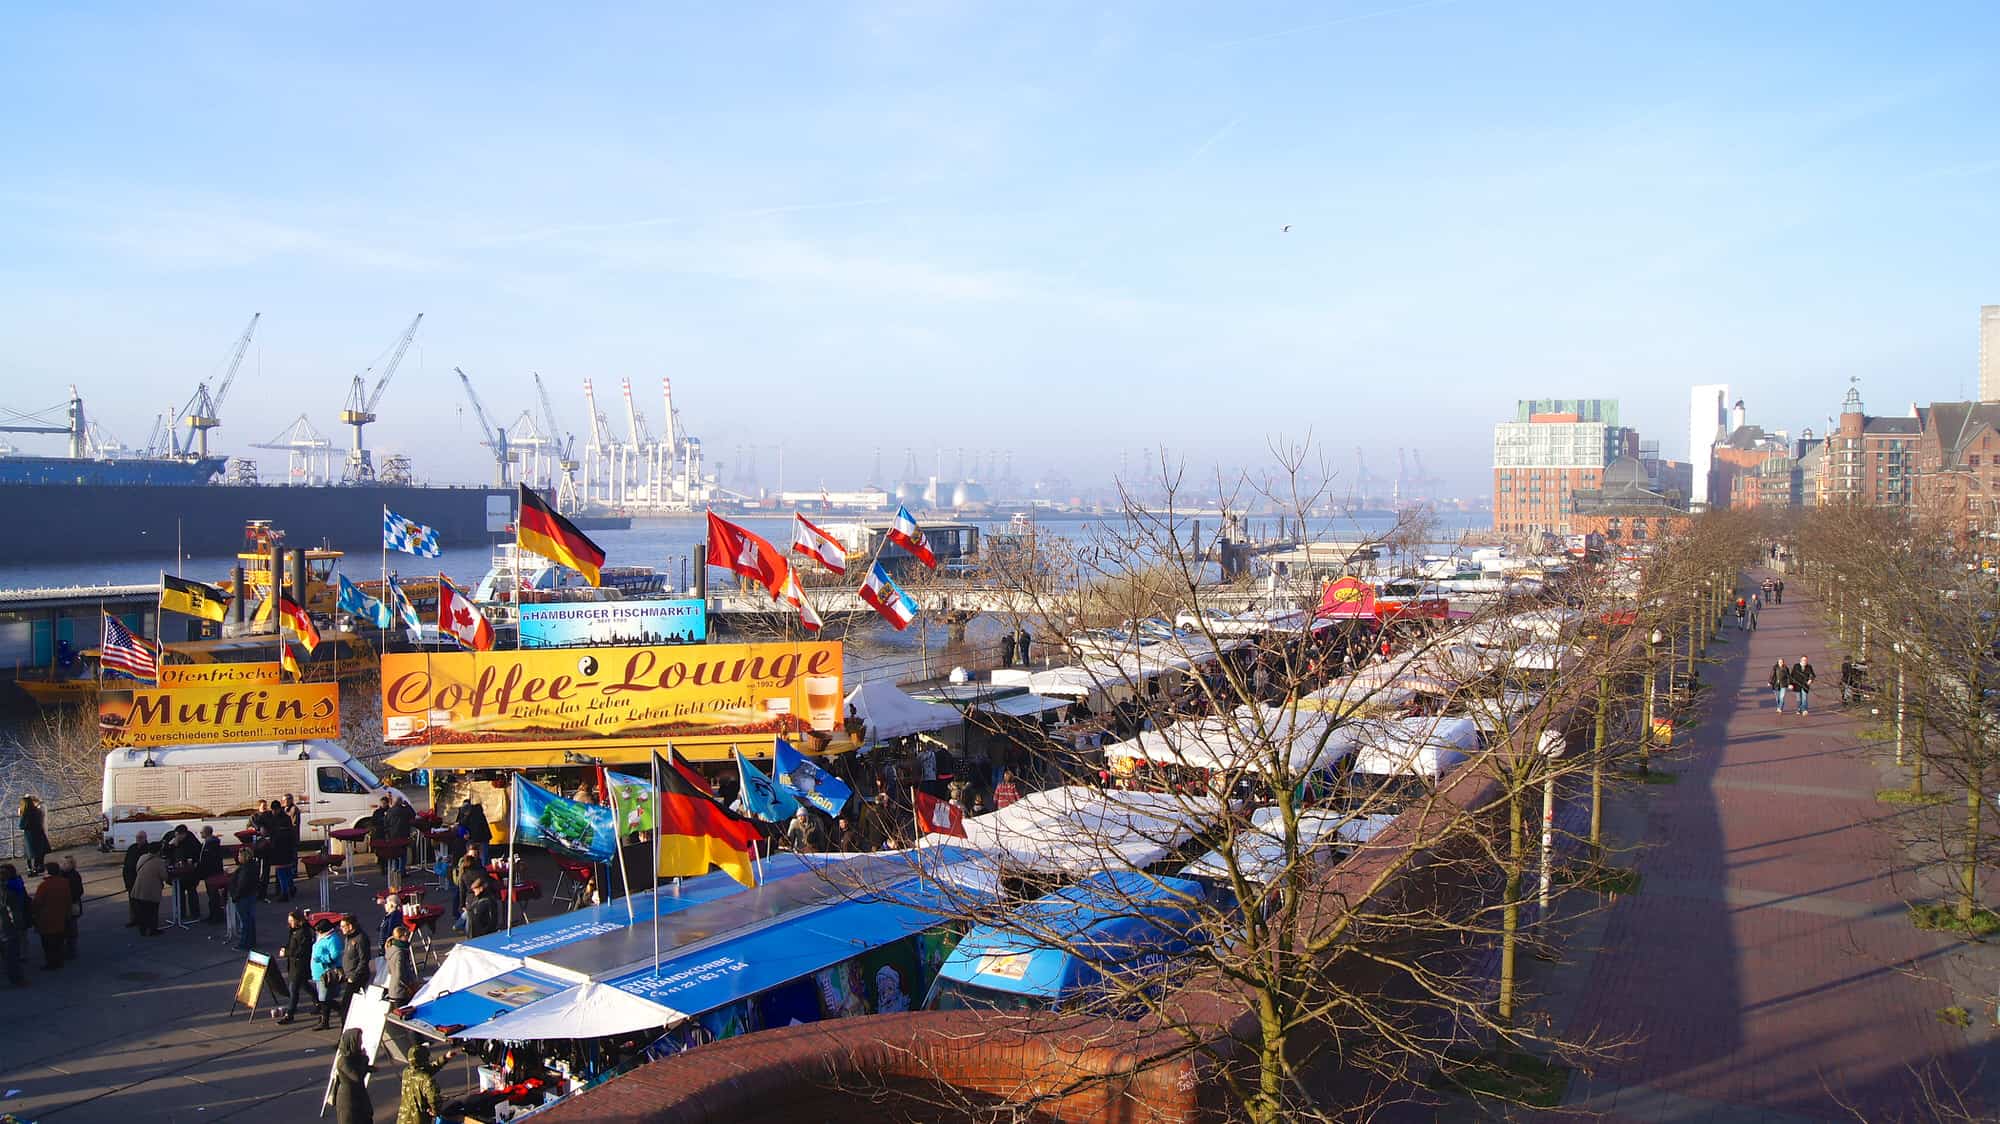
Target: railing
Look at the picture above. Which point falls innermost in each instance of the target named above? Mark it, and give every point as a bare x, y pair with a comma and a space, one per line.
70, 826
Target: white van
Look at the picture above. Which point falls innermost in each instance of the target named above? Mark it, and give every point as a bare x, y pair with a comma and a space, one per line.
153, 790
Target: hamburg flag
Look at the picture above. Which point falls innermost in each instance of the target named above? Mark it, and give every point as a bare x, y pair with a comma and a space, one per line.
461, 620
408, 536
888, 598
179, 595
742, 551
811, 541
803, 778
935, 816
906, 534
696, 830
544, 531
761, 799
125, 653
795, 597
299, 621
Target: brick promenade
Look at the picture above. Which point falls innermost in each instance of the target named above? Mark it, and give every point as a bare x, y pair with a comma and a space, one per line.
1766, 968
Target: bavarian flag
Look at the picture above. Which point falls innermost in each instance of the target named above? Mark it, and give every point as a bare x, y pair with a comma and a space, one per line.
179, 595
543, 530
696, 830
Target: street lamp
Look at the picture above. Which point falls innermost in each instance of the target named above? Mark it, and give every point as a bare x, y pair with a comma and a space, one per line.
1864, 630
1652, 673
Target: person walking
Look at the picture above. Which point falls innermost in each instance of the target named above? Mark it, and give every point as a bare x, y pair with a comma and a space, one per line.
297, 957
34, 825
1779, 591
399, 967
421, 1102
149, 884
244, 887
75, 923
1781, 678
52, 901
357, 960
325, 971
1802, 677
350, 1082
133, 854
17, 920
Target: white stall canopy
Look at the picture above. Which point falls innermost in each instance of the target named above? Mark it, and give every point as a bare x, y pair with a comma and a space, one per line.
889, 713
1078, 830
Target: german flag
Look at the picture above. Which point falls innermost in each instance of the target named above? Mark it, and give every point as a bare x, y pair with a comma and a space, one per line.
544, 531
696, 830
179, 595
299, 621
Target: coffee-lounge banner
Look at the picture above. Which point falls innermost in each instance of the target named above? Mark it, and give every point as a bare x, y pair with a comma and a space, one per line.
703, 694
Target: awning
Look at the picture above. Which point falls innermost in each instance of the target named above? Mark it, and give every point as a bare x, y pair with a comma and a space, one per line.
1080, 829
589, 1010
1022, 706
501, 756
889, 713
1234, 741
480, 1002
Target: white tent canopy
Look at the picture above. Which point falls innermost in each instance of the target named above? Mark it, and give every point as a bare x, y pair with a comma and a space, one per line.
1426, 746
1125, 673
889, 713
1078, 830
1260, 851
1234, 741
591, 1010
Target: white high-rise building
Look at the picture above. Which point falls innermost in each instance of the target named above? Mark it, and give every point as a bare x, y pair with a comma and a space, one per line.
1708, 415
1989, 353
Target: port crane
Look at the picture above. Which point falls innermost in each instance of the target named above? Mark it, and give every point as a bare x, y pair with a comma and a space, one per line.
204, 410
496, 437
565, 447
308, 452
360, 409
77, 429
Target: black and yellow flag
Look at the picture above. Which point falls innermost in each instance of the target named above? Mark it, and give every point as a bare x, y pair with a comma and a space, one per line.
179, 595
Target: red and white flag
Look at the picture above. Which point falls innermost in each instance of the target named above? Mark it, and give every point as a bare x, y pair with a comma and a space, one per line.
796, 598
461, 620
907, 534
745, 552
812, 542
937, 817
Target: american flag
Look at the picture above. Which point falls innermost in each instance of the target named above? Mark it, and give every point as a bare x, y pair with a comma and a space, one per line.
126, 653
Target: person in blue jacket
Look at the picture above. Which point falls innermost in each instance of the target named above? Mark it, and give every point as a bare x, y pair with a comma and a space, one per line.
327, 950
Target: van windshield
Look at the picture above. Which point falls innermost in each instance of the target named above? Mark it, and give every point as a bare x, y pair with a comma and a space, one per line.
951, 995
360, 770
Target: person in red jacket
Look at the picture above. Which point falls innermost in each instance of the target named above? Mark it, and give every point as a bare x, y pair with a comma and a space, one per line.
52, 902
1006, 792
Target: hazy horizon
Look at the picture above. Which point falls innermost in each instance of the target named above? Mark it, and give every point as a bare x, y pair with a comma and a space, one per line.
1073, 234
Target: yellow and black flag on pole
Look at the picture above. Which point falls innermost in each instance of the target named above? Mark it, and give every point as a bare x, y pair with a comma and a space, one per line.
288, 662
179, 595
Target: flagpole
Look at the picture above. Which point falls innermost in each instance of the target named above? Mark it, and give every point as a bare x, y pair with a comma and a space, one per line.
653, 765
386, 599
624, 876
160, 617
513, 829
520, 509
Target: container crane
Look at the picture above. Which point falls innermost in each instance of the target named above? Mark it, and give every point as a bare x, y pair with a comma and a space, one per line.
565, 446
360, 408
204, 411
496, 438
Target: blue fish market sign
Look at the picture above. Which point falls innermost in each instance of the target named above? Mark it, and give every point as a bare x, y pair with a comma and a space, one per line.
645, 623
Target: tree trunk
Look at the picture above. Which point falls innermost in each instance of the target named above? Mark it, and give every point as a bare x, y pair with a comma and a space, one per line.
1598, 747
1266, 1105
1968, 890
1510, 908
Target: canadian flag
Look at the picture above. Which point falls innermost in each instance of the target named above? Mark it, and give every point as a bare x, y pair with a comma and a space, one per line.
937, 817
461, 620
812, 542
742, 551
908, 535
796, 598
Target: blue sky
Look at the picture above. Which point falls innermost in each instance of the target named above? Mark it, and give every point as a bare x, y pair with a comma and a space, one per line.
1049, 228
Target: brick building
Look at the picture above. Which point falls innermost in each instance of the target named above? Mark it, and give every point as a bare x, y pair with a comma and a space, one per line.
1553, 448
1625, 509
1743, 472
1958, 469
1870, 461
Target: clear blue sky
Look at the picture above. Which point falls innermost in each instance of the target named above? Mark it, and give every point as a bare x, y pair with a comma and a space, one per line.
1051, 228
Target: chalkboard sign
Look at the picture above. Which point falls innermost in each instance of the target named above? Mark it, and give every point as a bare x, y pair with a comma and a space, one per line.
250, 986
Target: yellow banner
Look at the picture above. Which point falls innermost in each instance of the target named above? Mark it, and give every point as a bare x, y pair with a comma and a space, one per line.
210, 715
219, 675
695, 694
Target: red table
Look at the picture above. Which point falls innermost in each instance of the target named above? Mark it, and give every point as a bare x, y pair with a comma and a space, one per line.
347, 837
247, 835
405, 893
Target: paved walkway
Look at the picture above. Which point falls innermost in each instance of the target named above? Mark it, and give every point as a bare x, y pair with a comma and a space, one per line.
1766, 970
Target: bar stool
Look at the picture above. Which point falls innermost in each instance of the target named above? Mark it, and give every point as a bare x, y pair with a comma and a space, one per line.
348, 837
392, 855
571, 878
175, 871
321, 867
